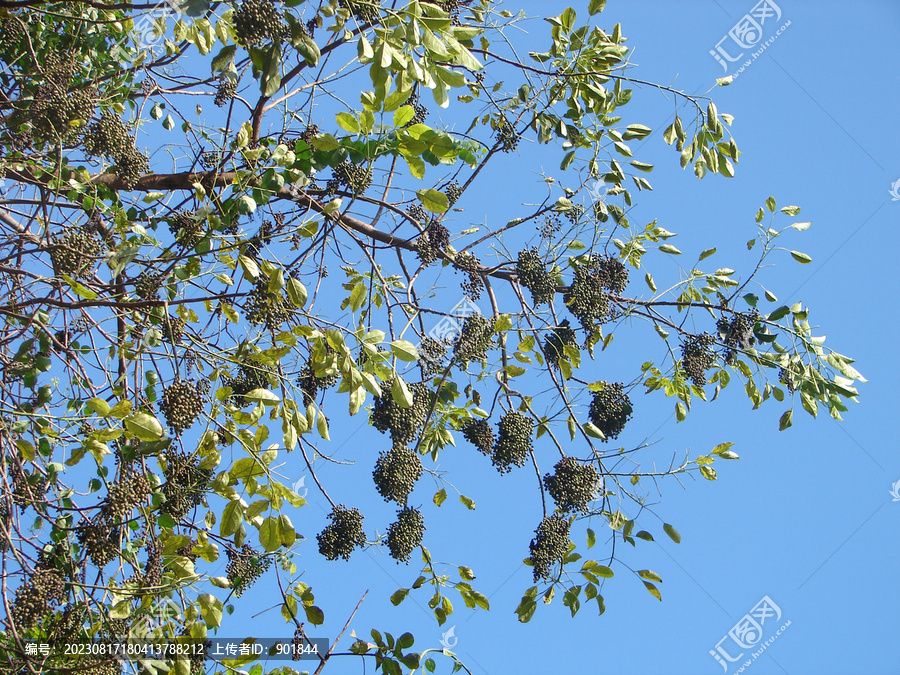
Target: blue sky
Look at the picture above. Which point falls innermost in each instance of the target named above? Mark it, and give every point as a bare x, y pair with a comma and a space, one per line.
806, 516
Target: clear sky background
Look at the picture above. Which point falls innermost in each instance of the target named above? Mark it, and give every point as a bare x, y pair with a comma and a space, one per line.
806, 516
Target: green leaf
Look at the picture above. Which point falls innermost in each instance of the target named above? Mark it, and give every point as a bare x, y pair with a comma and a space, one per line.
210, 610
801, 258
403, 115
400, 393
720, 448
99, 406
672, 532
801, 226
708, 472
787, 419
404, 350
790, 210
440, 496
647, 574
470, 503
603, 571
654, 591
596, 6
650, 283
322, 427
314, 615
296, 292
270, 534
680, 411
591, 538
770, 204
232, 518
347, 122
668, 248
144, 426
308, 49
708, 252
399, 596
433, 201
223, 58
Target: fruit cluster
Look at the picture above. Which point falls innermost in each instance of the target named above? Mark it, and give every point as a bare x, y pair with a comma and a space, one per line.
431, 356
572, 485
737, 333
257, 21
186, 228
182, 403
365, 11
245, 567
225, 91
57, 102
353, 177
506, 136
34, 598
610, 409
100, 540
549, 546
475, 338
131, 489
248, 378
513, 441
396, 472
453, 192
310, 384
697, 357
343, 534
786, 377
560, 337
109, 138
266, 308
405, 534
75, 252
403, 424
431, 242
185, 484
147, 285
480, 434
470, 264
587, 297
173, 329
534, 275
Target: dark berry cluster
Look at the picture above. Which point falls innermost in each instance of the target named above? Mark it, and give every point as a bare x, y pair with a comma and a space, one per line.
513, 441
470, 264
550, 545
28, 488
697, 357
267, 308
480, 434
405, 534
35, 597
57, 102
185, 484
310, 384
421, 113
257, 21
75, 252
506, 135
182, 403
245, 567
353, 177
147, 285
737, 334
431, 242
248, 378
100, 540
786, 377
309, 133
11, 34
475, 338
210, 160
610, 409
551, 225
131, 489
431, 355
173, 329
109, 137
534, 275
587, 297
343, 534
403, 424
396, 473
187, 229
453, 192
418, 213
225, 91
572, 485
560, 337
365, 11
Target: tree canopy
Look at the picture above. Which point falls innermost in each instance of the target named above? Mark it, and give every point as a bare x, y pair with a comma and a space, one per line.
228, 227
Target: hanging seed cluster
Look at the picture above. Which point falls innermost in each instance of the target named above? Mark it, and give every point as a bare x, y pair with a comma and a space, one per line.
365, 11
147, 285
173, 329
506, 136
453, 192
109, 138
57, 102
786, 377
245, 567
403, 424
737, 334
257, 21
186, 229
405, 534
475, 338
265, 308
353, 177
431, 356
610, 409
587, 298
418, 213
75, 252
431, 242
11, 34
185, 484
697, 357
182, 403
561, 336
396, 472
549, 546
343, 534
100, 540
130, 490
28, 488
534, 275
480, 434
248, 378
310, 385
513, 441
471, 265
35, 597
225, 91
151, 577
572, 485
